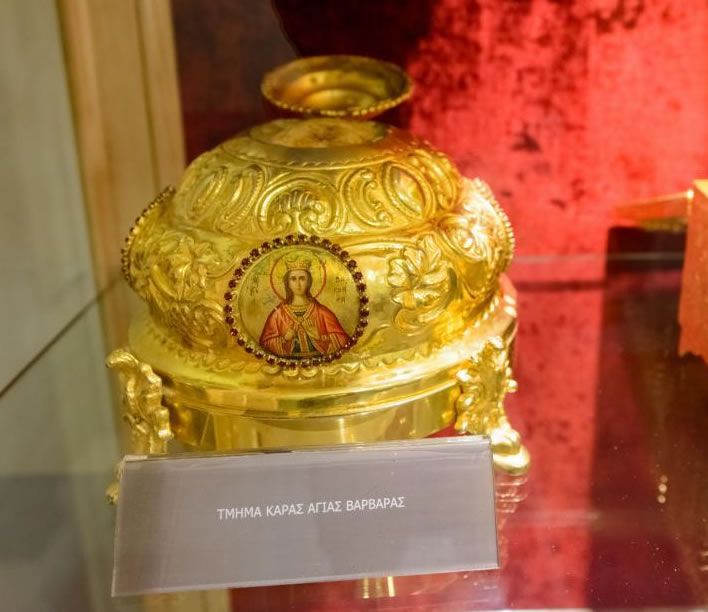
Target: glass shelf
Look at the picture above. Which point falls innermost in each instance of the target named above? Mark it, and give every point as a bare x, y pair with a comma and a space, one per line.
612, 514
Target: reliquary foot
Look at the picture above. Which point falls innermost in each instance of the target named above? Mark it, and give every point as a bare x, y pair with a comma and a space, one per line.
480, 406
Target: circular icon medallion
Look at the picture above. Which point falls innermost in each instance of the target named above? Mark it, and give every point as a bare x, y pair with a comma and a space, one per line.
298, 300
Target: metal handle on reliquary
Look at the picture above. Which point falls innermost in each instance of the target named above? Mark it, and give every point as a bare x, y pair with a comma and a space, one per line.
149, 420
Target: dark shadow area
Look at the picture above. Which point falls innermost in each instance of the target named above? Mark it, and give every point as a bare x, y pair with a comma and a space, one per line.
224, 48
649, 471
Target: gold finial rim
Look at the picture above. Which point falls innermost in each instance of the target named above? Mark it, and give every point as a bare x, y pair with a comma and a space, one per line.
377, 86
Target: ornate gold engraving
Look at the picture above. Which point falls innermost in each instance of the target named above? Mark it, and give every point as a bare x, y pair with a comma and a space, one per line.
362, 186
266, 187
170, 271
480, 234
149, 420
423, 282
300, 204
480, 407
403, 285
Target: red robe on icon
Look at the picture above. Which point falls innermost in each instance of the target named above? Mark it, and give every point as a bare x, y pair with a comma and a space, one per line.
317, 331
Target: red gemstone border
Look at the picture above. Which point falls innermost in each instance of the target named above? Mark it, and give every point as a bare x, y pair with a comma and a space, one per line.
279, 243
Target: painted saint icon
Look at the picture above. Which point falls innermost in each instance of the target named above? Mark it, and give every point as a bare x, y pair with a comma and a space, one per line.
300, 326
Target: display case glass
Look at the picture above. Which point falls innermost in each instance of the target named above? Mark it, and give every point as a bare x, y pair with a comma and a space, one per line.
567, 110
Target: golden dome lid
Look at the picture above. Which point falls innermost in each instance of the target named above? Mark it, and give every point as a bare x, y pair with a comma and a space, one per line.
329, 177
321, 262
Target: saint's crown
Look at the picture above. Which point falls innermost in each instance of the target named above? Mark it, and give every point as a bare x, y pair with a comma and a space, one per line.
298, 264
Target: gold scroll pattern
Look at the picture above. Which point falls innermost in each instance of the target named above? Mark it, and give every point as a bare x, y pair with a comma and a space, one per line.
233, 191
480, 235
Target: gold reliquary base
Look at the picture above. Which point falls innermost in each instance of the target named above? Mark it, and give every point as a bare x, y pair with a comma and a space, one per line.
467, 397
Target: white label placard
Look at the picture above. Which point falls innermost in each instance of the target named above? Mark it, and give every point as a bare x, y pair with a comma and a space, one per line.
384, 509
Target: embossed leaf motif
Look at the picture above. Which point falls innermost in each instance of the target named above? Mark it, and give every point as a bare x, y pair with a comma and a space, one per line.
179, 265
421, 278
419, 275
176, 268
189, 264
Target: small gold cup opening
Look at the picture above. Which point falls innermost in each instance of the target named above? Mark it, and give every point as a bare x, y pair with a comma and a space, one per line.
343, 86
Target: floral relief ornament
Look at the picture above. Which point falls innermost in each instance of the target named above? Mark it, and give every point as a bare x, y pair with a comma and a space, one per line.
422, 281
176, 267
174, 272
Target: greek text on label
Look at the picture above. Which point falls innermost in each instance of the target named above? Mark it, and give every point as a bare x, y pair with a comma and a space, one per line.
320, 507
